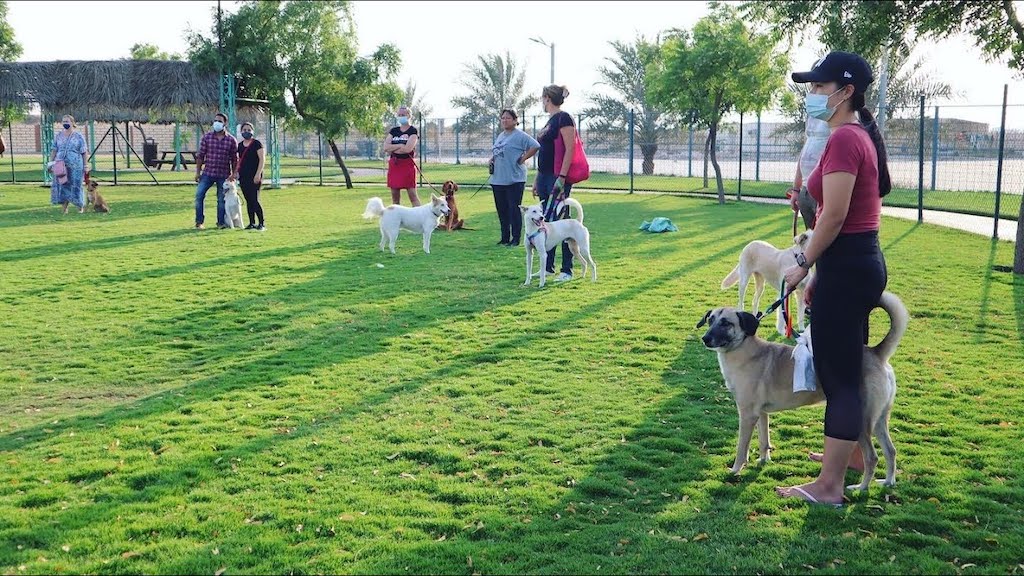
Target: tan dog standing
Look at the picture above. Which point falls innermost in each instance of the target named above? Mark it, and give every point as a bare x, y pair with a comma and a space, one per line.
759, 375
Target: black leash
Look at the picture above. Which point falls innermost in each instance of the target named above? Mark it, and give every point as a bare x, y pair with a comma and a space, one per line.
774, 305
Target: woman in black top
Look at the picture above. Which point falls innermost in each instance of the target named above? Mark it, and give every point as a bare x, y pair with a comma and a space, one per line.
550, 178
251, 158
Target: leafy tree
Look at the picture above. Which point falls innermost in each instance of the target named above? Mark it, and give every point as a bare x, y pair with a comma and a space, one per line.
303, 58
867, 26
626, 76
10, 50
718, 68
494, 83
143, 51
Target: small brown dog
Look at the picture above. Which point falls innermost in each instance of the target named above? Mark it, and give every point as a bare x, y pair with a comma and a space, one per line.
451, 219
93, 197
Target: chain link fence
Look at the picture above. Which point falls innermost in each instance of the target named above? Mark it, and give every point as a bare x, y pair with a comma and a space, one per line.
938, 159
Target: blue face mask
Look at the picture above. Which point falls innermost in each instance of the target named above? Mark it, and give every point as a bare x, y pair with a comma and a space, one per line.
246, 135
817, 106
67, 126
218, 126
403, 120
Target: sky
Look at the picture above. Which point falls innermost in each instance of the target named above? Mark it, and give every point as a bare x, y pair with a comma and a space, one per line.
437, 39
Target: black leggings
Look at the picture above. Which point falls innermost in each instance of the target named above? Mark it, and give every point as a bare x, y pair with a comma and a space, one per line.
507, 198
851, 277
251, 192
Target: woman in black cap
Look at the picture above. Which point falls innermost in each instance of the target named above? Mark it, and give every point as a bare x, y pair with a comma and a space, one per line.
848, 184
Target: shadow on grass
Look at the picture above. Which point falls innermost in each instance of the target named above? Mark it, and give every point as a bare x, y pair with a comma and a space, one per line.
986, 287
119, 210
79, 247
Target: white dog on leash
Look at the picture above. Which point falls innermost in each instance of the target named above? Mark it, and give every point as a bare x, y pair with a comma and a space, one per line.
542, 236
767, 264
420, 220
232, 206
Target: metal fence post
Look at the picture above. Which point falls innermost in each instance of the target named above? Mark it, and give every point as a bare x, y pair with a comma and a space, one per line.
535, 137
10, 138
92, 148
320, 155
920, 164
632, 120
999, 166
935, 146
113, 144
757, 152
739, 180
458, 129
689, 154
128, 143
420, 142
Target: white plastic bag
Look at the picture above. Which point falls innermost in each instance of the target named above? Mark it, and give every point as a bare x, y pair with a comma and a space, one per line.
803, 371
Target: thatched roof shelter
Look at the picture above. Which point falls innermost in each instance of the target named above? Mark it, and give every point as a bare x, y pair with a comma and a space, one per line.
154, 91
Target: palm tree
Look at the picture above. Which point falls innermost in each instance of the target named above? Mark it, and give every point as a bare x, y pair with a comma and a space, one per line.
625, 77
494, 83
419, 105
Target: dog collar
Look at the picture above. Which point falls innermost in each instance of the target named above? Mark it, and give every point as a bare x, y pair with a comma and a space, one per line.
540, 229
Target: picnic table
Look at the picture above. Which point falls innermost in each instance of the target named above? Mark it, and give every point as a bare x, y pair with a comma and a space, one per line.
187, 157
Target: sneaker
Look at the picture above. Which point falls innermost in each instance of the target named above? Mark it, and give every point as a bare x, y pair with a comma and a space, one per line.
200, 227
223, 226
250, 227
563, 277
261, 228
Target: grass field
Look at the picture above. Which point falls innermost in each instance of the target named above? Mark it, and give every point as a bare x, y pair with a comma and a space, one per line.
307, 171
233, 402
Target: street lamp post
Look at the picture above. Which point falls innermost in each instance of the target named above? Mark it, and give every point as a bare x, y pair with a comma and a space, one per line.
552, 47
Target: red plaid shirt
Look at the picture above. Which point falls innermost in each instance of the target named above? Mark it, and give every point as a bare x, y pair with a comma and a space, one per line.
218, 155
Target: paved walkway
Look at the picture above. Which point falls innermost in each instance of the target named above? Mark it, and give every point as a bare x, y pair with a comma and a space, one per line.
969, 223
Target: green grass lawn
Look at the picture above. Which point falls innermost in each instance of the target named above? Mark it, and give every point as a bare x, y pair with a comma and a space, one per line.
234, 402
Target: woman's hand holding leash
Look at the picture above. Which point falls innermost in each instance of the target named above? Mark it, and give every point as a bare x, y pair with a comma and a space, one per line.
794, 275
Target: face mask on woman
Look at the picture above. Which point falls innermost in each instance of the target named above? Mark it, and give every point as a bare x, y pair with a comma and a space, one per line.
403, 120
247, 135
817, 106
67, 125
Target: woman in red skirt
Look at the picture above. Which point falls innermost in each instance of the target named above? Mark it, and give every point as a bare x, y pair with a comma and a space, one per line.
401, 145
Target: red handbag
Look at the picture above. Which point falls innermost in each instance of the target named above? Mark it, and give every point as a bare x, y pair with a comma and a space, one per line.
579, 168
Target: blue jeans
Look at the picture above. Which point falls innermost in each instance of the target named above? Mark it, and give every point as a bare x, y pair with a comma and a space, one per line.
545, 185
205, 182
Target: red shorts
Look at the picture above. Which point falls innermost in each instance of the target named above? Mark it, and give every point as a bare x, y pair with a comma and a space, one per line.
402, 173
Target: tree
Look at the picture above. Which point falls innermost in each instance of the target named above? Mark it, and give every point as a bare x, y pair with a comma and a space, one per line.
494, 83
10, 50
720, 67
143, 51
418, 104
626, 76
303, 58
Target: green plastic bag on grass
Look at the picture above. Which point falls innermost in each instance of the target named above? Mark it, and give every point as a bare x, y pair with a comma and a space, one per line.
659, 224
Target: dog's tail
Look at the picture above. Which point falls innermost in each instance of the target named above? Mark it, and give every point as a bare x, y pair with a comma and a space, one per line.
898, 319
575, 204
732, 278
374, 208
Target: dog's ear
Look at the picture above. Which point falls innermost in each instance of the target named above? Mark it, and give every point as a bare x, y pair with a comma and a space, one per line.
523, 209
748, 322
455, 187
703, 320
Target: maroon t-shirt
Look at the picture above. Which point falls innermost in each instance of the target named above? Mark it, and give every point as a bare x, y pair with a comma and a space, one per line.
851, 150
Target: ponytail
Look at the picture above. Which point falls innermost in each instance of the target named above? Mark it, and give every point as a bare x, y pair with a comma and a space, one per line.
867, 120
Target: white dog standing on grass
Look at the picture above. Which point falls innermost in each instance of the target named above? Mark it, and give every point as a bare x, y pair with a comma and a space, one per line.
419, 220
767, 264
232, 206
542, 236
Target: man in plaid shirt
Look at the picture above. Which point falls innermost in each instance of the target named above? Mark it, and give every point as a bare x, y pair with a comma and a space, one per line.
215, 163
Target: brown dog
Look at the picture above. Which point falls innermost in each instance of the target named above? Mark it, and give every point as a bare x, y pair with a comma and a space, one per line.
93, 197
451, 219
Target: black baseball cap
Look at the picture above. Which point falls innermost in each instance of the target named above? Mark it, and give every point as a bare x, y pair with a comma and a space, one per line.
842, 67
